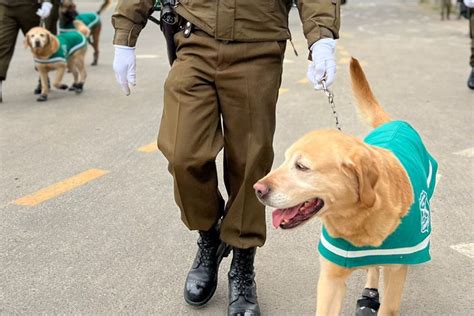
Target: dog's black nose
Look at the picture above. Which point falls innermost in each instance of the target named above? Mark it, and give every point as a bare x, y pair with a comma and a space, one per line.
261, 189
37, 43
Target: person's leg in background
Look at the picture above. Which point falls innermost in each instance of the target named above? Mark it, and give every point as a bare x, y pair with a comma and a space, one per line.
51, 23
104, 6
470, 81
12, 19
247, 82
445, 9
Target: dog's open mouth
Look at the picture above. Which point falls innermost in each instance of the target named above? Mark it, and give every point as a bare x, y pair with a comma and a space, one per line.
291, 217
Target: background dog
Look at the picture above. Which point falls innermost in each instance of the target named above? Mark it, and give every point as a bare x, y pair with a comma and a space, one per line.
361, 193
51, 53
70, 20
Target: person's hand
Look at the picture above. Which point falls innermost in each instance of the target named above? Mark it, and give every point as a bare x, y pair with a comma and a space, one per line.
45, 10
469, 3
324, 63
125, 67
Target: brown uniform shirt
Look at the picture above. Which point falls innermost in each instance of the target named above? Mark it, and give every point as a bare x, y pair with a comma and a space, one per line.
232, 20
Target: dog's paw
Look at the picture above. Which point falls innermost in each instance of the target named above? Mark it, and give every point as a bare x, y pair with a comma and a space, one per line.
369, 303
79, 87
42, 98
62, 86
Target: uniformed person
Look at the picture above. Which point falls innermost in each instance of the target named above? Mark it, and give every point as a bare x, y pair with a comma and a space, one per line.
16, 15
470, 5
221, 92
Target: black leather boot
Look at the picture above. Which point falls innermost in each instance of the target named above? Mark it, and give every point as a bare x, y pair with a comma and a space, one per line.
470, 81
242, 288
201, 282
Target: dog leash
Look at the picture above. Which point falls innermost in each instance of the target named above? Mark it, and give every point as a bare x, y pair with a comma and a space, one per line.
330, 96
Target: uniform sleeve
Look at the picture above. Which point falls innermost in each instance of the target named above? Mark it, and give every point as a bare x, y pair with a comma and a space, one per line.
320, 18
129, 19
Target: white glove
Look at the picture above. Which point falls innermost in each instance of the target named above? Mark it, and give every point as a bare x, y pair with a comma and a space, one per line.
45, 10
125, 67
324, 63
469, 3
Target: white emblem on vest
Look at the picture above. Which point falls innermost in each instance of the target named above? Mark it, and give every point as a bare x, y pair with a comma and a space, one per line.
424, 205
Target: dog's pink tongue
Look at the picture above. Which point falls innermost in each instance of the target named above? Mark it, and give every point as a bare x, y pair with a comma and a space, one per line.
279, 215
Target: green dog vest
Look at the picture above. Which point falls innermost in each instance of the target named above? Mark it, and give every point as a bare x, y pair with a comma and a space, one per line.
68, 43
410, 242
90, 19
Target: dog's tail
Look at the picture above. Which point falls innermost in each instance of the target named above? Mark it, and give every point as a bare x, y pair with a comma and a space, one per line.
372, 111
81, 27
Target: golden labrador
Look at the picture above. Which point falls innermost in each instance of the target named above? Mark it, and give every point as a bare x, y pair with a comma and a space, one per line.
372, 197
56, 53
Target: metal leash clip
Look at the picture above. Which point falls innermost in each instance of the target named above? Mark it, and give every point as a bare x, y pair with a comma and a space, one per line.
330, 96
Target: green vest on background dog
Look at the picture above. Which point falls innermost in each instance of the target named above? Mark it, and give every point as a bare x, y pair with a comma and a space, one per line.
69, 42
410, 242
90, 19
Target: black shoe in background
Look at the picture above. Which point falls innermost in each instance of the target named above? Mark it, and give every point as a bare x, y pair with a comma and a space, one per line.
242, 287
470, 81
201, 281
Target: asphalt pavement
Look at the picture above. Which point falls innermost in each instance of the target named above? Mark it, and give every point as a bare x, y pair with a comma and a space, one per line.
88, 224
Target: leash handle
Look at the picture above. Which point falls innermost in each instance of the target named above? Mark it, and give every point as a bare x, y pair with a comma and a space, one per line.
330, 96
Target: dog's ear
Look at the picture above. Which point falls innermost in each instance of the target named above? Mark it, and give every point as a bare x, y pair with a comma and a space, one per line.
362, 165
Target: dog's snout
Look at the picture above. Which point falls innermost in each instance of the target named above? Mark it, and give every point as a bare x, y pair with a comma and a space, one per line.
261, 189
37, 43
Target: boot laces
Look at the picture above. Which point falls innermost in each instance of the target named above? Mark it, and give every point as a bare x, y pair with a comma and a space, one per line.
242, 273
207, 246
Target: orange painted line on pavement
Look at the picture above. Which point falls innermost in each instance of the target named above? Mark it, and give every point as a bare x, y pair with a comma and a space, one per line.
61, 187
344, 52
152, 147
283, 90
303, 81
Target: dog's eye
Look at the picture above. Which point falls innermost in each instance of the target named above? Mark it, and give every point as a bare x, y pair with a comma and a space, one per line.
42, 35
299, 166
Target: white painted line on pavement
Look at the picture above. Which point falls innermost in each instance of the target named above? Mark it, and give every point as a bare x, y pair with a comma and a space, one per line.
465, 249
469, 152
147, 56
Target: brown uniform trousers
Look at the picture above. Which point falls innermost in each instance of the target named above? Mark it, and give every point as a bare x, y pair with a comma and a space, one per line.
12, 19
471, 26
221, 95
51, 23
